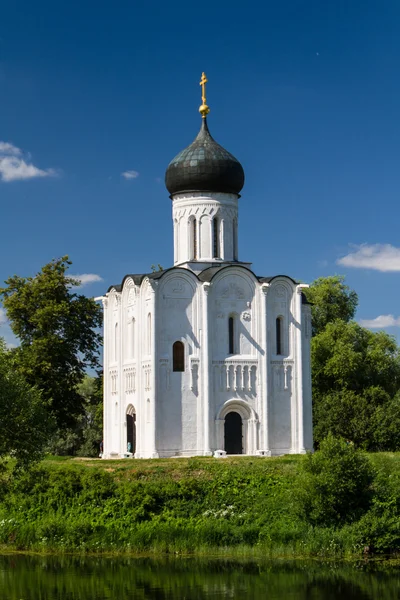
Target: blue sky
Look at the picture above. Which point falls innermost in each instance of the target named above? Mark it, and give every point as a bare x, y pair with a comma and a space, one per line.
306, 94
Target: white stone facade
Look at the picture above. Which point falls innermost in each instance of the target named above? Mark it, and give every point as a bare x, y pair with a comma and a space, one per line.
205, 356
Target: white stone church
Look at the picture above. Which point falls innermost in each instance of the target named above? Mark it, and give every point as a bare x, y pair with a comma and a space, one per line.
206, 356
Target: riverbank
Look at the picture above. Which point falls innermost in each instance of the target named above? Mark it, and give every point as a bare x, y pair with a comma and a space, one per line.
235, 507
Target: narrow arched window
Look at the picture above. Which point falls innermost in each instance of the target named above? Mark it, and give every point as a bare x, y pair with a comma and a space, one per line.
216, 252
231, 332
194, 237
149, 333
178, 357
235, 240
279, 323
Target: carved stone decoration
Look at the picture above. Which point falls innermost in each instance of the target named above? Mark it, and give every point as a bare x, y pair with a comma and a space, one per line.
246, 316
233, 290
131, 296
280, 291
194, 375
178, 287
166, 371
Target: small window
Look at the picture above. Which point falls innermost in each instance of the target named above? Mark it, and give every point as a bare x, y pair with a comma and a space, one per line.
178, 357
216, 252
231, 327
279, 349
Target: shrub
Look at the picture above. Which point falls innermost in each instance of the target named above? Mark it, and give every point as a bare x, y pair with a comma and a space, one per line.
334, 486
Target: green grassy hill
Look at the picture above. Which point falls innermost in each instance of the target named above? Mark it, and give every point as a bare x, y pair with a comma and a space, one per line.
235, 506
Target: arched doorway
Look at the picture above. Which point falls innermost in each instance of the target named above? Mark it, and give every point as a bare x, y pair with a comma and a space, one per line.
131, 430
233, 433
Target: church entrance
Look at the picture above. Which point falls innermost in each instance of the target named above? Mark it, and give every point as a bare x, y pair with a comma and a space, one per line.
131, 433
233, 433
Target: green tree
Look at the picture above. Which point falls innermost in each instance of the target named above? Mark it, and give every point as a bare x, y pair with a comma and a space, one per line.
331, 299
386, 425
58, 334
355, 375
335, 484
348, 356
84, 438
91, 422
25, 423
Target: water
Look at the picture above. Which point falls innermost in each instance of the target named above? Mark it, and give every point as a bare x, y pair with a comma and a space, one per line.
38, 578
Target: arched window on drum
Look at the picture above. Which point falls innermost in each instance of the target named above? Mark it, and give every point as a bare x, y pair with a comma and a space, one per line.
178, 357
279, 335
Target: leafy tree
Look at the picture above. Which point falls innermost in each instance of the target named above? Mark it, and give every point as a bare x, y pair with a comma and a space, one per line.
347, 356
57, 329
331, 299
355, 374
25, 423
84, 438
335, 484
91, 421
386, 425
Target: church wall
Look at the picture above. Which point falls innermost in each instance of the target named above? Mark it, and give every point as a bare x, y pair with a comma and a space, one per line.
177, 392
129, 363
281, 367
234, 376
112, 383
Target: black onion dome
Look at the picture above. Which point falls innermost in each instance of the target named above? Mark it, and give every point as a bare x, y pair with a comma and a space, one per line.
204, 166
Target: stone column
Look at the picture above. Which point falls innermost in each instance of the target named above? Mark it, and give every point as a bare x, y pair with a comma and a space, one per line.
153, 372
106, 379
222, 234
206, 373
264, 369
299, 372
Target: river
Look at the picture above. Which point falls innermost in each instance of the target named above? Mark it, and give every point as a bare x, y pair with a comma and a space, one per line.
46, 578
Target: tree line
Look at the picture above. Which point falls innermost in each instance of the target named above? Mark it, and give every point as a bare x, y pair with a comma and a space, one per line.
48, 402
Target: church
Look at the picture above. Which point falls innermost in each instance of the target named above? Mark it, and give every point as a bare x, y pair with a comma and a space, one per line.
206, 357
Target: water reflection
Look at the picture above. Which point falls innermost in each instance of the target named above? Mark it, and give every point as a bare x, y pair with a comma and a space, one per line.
34, 578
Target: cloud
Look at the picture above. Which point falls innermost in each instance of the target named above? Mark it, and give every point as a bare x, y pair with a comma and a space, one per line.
15, 167
380, 257
87, 278
381, 322
130, 174
3, 316
6, 148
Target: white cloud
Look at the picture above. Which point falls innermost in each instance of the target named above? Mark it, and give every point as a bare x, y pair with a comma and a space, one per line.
87, 278
13, 167
380, 257
130, 174
3, 316
381, 322
6, 148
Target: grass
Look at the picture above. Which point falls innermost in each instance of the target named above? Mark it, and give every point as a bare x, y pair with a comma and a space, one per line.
237, 507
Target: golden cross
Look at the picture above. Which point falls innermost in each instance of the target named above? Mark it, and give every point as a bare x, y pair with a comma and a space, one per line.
204, 110
203, 82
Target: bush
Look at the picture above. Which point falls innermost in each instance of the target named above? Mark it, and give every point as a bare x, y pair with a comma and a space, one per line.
335, 484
